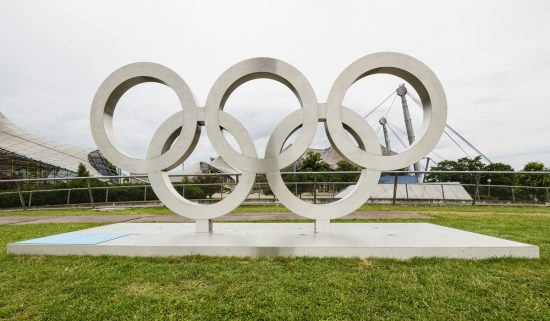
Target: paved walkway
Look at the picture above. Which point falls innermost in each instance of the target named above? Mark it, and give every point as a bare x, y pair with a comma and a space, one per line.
272, 216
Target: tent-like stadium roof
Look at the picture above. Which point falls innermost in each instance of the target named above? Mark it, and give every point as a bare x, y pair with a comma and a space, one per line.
17, 141
329, 155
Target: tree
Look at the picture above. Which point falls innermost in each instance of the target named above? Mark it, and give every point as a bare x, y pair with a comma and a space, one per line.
462, 164
504, 193
499, 179
345, 166
112, 168
534, 180
209, 184
191, 192
475, 164
311, 163
82, 171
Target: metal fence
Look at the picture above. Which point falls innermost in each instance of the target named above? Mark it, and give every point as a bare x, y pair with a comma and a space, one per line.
315, 187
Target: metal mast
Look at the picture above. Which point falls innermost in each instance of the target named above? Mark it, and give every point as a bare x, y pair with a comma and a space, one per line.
383, 121
402, 92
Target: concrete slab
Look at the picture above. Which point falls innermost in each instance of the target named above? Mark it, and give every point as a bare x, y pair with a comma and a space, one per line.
75, 238
385, 240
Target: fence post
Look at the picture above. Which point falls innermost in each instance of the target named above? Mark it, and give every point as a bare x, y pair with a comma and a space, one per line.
476, 194
69, 196
443, 193
90, 193
394, 188
314, 189
30, 199
547, 196
106, 193
20, 195
513, 195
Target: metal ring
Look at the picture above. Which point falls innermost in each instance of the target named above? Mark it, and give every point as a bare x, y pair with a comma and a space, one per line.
161, 184
421, 78
359, 194
254, 69
106, 99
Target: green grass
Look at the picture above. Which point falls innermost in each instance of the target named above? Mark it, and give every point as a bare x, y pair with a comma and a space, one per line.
279, 208
203, 288
458, 208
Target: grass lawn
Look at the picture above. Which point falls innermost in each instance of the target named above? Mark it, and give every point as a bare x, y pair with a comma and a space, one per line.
203, 288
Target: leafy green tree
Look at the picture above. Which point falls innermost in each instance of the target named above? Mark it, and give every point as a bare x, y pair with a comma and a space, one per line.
313, 163
301, 183
462, 164
504, 193
82, 171
475, 164
192, 192
210, 184
345, 166
112, 168
499, 179
534, 180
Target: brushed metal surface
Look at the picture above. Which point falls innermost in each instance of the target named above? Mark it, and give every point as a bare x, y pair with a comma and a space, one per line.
177, 137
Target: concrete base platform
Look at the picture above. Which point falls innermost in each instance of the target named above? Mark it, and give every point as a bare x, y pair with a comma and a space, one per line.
363, 240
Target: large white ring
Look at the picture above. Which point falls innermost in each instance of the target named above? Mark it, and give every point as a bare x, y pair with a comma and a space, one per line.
160, 181
254, 69
421, 78
103, 108
359, 194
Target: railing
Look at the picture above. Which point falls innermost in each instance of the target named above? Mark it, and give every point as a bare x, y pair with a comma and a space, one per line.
318, 189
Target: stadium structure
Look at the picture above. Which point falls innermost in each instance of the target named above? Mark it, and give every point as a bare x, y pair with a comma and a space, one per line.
24, 155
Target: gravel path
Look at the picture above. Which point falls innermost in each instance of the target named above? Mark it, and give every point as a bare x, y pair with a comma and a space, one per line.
273, 216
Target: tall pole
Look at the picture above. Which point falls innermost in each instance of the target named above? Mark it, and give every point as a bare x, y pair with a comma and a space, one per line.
383, 121
401, 92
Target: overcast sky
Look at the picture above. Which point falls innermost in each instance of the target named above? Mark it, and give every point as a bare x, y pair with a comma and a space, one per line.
492, 57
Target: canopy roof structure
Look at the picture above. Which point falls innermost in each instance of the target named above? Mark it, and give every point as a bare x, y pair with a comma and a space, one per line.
24, 155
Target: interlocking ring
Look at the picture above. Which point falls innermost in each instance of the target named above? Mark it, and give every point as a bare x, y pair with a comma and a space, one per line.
249, 70
177, 137
161, 142
421, 78
359, 194
103, 108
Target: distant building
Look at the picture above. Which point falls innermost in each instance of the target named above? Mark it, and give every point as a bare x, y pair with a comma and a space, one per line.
218, 165
24, 155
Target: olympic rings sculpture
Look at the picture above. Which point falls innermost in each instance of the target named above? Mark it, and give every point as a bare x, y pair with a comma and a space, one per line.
177, 137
